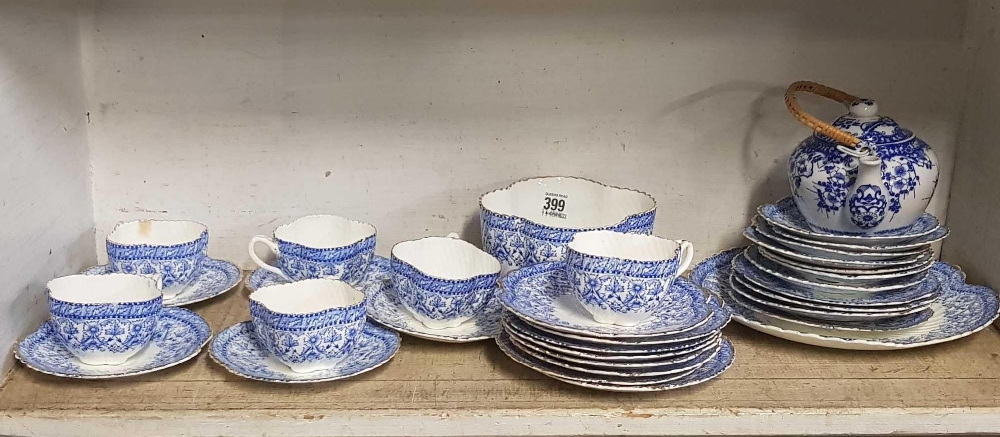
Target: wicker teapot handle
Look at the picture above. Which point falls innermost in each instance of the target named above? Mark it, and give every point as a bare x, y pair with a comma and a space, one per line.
814, 123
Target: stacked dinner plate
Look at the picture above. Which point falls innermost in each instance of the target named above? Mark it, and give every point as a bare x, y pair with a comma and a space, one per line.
545, 328
847, 291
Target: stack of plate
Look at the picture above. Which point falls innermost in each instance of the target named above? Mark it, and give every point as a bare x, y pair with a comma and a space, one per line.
545, 328
837, 290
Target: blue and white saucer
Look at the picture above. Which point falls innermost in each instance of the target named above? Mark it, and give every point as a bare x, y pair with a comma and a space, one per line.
379, 269
754, 235
541, 294
907, 246
180, 335
839, 307
785, 215
759, 229
386, 308
710, 369
960, 310
236, 349
829, 320
800, 280
923, 290
215, 278
757, 257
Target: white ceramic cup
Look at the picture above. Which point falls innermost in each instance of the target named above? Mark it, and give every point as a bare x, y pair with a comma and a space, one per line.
319, 246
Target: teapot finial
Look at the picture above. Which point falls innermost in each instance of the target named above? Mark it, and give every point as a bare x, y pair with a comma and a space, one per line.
864, 108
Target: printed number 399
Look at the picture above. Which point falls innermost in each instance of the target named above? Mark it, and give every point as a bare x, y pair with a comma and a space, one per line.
553, 204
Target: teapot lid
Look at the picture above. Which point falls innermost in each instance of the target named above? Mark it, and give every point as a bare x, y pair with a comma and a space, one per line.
864, 122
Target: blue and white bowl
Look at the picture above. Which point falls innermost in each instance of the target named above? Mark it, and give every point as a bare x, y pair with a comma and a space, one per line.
443, 281
309, 325
104, 320
171, 249
532, 220
319, 246
622, 279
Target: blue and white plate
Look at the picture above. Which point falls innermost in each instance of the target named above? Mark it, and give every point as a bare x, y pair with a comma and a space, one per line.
236, 349
386, 308
960, 310
923, 290
907, 246
756, 257
743, 288
527, 342
786, 274
714, 367
180, 335
541, 294
379, 269
625, 370
584, 347
215, 278
740, 292
752, 234
785, 214
761, 229
794, 264
884, 309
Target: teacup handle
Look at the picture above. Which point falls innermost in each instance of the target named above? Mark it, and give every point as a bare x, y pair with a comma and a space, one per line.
274, 248
687, 255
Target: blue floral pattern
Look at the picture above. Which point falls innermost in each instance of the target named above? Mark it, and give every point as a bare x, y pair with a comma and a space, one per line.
385, 307
215, 278
438, 298
321, 337
961, 309
542, 294
518, 241
237, 350
620, 285
786, 215
178, 336
347, 263
99, 328
867, 206
176, 264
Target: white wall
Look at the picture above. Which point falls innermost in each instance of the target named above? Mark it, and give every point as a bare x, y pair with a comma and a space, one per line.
245, 114
45, 201
974, 215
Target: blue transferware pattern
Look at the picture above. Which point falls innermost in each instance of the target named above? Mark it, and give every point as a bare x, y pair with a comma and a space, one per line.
800, 280
177, 264
178, 336
757, 256
753, 234
379, 269
960, 310
707, 371
922, 303
786, 215
541, 294
921, 291
237, 350
825, 179
739, 292
308, 339
385, 307
441, 299
118, 329
216, 277
619, 285
763, 234
347, 263
518, 241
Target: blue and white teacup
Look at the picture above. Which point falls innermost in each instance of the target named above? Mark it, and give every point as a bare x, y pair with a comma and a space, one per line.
171, 249
104, 319
309, 325
443, 281
319, 246
622, 279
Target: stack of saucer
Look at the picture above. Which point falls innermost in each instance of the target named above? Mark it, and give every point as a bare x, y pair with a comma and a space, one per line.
551, 324
839, 290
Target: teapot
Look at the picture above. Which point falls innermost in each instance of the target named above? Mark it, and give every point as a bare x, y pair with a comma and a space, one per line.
863, 174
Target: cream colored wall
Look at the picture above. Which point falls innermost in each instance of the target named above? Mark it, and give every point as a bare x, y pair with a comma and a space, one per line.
45, 200
974, 209
246, 114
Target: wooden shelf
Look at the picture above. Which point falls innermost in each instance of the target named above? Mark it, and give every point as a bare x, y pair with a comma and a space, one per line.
775, 387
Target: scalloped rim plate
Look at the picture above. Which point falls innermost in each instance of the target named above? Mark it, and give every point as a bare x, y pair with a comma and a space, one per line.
207, 284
